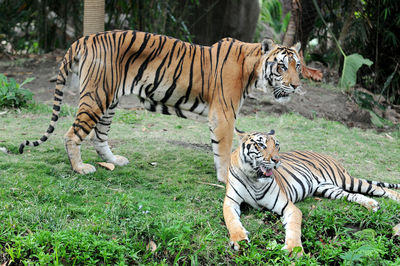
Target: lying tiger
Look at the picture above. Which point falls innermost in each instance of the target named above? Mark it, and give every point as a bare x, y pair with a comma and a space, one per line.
264, 178
169, 76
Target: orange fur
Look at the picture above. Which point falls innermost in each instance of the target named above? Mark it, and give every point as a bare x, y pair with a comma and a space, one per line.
264, 178
168, 76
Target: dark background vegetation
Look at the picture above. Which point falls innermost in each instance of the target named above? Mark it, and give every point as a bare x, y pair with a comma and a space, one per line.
368, 27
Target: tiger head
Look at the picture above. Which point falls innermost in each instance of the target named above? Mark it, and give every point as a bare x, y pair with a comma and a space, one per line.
258, 153
280, 70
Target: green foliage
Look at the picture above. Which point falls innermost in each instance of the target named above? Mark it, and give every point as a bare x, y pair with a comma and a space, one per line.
12, 94
351, 65
33, 26
128, 117
367, 249
271, 14
51, 215
372, 32
164, 17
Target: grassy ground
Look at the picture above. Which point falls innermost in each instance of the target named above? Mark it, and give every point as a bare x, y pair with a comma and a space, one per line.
156, 211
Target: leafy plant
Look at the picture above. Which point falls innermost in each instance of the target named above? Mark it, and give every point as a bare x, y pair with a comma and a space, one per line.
271, 13
12, 94
351, 62
351, 65
51, 215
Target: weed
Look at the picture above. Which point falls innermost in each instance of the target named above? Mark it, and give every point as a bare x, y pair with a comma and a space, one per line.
12, 94
51, 215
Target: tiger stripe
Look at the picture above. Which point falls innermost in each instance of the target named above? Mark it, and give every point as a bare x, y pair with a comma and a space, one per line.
276, 184
169, 76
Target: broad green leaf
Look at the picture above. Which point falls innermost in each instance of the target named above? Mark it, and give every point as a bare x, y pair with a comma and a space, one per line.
26, 81
388, 80
350, 67
376, 120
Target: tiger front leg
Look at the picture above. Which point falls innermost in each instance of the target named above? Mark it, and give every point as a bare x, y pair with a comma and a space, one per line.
221, 129
232, 220
291, 218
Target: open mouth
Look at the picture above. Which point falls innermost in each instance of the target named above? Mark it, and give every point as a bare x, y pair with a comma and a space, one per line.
266, 171
283, 94
280, 94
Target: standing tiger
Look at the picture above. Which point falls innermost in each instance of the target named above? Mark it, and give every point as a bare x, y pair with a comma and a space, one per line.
264, 178
169, 76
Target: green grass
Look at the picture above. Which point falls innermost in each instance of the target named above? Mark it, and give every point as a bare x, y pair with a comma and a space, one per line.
50, 215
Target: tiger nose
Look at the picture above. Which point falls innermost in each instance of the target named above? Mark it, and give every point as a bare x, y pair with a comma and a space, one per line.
294, 86
275, 159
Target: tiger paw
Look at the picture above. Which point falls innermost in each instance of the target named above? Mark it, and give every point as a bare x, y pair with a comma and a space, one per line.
296, 250
235, 245
374, 205
85, 168
370, 204
237, 237
120, 160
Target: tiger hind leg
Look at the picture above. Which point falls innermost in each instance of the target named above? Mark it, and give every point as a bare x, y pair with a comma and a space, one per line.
99, 138
373, 188
73, 142
334, 192
89, 113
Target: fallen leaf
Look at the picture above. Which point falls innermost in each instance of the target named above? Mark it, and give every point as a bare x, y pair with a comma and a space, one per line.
388, 136
136, 108
396, 230
108, 166
318, 199
153, 163
70, 92
151, 246
210, 184
3, 149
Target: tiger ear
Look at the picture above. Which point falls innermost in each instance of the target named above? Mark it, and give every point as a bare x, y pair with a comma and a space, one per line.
267, 45
297, 47
240, 134
271, 132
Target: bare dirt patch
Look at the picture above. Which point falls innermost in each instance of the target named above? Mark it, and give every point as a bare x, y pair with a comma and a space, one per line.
317, 102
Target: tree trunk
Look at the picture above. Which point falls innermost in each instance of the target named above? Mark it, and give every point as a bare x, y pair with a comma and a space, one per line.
301, 23
347, 22
93, 16
214, 20
290, 35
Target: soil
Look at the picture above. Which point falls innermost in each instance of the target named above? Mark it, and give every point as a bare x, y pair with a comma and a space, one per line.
318, 101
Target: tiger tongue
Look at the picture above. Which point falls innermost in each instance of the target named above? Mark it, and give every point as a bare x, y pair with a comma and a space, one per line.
267, 172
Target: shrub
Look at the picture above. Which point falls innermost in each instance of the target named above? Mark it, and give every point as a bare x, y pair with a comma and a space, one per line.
12, 94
